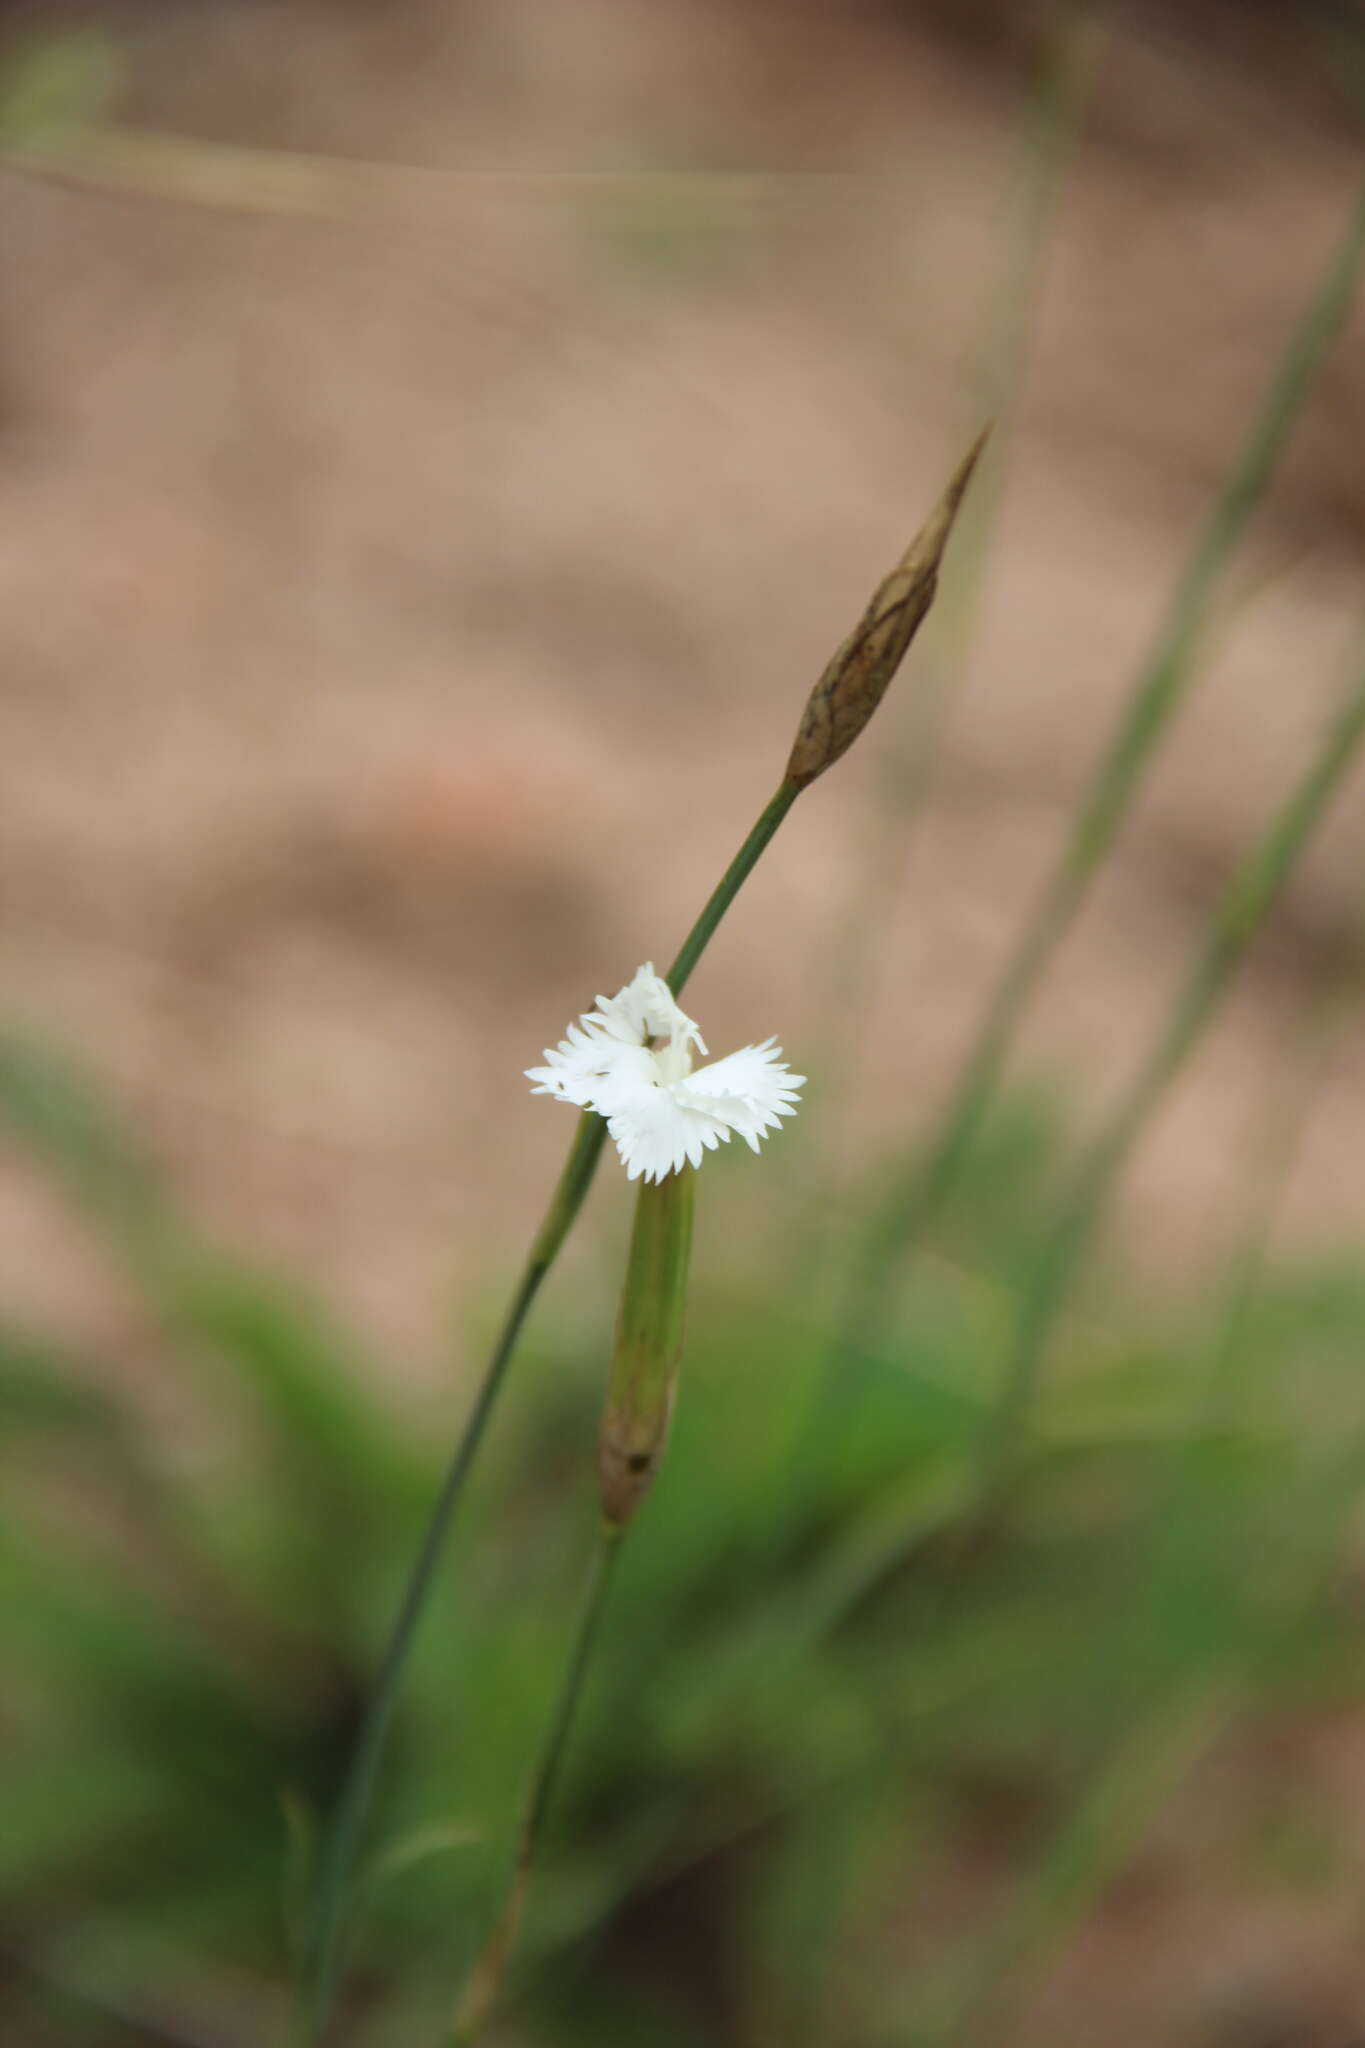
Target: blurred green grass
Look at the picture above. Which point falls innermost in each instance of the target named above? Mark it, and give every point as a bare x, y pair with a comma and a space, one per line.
792, 1713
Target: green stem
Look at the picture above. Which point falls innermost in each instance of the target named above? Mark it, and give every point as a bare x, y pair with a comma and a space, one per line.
323, 1941
726, 890
1081, 1856
485, 1978
322, 1952
1157, 693
1240, 916
1125, 1652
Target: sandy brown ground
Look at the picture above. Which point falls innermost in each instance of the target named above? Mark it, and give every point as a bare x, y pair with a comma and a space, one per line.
403, 617
403, 614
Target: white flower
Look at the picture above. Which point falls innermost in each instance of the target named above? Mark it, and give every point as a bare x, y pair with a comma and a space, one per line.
659, 1112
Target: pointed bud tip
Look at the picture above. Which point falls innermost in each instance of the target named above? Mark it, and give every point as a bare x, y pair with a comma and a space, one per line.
925, 551
856, 679
963, 474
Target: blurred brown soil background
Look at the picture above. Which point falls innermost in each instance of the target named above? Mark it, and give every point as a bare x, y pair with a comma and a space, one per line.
403, 615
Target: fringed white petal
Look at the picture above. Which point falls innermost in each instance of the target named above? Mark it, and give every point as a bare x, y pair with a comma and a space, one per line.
590, 1070
655, 1133
750, 1091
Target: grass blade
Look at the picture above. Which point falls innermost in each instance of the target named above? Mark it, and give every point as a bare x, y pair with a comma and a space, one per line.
1244, 909
1158, 691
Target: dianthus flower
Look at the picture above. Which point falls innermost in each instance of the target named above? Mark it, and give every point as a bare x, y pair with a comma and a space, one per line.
660, 1113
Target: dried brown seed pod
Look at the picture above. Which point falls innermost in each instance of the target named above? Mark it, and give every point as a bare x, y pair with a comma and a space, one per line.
856, 678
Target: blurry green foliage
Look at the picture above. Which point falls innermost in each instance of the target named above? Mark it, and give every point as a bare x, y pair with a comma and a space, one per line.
810, 1689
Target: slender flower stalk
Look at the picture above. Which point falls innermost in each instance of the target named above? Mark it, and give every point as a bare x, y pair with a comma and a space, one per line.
342, 1846
484, 1983
841, 704
1243, 910
646, 1355
1160, 688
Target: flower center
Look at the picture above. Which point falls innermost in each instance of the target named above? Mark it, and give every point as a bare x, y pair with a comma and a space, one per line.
673, 1061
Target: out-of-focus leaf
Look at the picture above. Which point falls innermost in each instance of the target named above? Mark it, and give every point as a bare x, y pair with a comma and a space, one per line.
417, 1845
298, 1366
56, 85
50, 1107
43, 1391
301, 1370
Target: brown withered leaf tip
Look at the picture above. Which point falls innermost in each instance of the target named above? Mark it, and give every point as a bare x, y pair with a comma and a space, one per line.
856, 678
625, 1471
